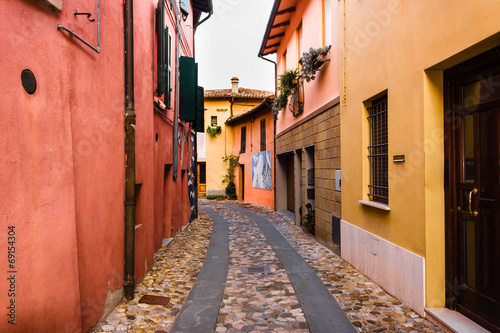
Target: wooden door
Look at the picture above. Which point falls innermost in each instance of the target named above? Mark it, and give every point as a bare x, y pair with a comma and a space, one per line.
290, 184
473, 225
202, 179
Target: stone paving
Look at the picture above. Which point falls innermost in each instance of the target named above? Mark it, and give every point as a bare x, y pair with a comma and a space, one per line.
258, 295
174, 273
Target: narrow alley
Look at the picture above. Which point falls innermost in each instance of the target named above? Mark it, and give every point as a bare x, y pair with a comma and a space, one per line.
261, 274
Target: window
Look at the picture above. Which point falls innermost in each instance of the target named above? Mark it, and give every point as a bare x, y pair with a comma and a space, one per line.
327, 22
284, 61
299, 40
164, 57
213, 121
263, 135
378, 150
243, 139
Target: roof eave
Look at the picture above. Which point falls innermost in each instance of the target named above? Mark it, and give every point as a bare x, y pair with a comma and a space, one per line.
272, 17
262, 106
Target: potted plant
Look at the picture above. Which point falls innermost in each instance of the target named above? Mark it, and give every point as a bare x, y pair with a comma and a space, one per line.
213, 131
312, 60
308, 220
286, 82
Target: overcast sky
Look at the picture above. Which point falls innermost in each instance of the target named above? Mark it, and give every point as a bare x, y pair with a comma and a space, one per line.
227, 45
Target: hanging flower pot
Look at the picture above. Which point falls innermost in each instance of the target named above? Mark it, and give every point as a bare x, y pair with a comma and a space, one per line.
312, 60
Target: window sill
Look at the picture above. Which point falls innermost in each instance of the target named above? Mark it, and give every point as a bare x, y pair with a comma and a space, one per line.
375, 204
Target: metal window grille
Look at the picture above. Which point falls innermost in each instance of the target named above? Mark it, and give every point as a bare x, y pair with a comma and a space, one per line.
243, 139
378, 151
263, 135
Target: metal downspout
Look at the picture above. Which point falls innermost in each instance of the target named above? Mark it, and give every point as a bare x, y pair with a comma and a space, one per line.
177, 78
129, 114
275, 117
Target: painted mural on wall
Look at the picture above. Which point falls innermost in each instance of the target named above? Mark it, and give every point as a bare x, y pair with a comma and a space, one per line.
261, 170
191, 187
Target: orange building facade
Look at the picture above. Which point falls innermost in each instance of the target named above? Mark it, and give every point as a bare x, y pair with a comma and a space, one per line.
308, 129
253, 142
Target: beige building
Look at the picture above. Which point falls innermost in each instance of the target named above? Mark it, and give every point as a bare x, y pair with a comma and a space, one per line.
220, 105
420, 145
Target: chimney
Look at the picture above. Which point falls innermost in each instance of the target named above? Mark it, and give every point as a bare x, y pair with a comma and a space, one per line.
234, 84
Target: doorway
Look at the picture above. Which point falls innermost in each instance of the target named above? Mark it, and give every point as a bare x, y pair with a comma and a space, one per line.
242, 166
290, 189
472, 126
202, 179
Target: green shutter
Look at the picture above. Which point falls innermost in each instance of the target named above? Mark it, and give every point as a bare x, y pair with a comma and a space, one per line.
188, 89
160, 27
200, 110
168, 69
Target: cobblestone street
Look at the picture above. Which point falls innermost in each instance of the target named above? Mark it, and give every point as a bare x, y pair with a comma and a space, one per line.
258, 293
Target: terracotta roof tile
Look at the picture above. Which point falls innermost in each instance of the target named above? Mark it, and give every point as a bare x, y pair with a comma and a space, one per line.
242, 93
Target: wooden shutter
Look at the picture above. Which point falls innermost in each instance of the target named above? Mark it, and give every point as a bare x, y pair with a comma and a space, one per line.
160, 32
200, 110
263, 135
188, 89
168, 68
243, 139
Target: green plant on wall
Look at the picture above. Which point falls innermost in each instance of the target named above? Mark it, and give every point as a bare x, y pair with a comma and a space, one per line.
286, 82
229, 177
213, 131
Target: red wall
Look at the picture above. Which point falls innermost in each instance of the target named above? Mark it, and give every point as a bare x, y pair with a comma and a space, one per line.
62, 160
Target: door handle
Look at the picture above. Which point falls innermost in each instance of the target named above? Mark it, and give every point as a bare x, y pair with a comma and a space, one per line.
475, 213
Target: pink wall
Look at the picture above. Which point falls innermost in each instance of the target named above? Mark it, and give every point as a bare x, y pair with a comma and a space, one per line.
315, 94
63, 160
255, 195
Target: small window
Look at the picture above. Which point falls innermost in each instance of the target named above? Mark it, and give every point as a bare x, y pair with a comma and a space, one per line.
300, 45
378, 150
164, 56
284, 61
213, 121
263, 135
327, 22
243, 139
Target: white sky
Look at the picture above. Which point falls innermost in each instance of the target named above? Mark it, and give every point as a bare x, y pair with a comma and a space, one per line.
227, 45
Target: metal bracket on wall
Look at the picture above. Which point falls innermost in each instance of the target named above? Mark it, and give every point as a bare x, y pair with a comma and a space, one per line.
73, 34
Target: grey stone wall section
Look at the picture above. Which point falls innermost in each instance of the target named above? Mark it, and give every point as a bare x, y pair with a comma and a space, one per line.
200, 311
322, 312
323, 131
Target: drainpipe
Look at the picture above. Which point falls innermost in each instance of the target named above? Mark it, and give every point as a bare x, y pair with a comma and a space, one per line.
275, 117
177, 78
129, 113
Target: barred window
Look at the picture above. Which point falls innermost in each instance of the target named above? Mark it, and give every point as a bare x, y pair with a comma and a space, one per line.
378, 151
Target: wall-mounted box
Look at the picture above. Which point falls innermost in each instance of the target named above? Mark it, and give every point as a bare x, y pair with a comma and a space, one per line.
337, 180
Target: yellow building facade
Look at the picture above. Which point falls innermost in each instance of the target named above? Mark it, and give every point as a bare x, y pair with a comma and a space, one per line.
220, 105
420, 86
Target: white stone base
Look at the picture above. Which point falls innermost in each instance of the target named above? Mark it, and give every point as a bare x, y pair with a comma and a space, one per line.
400, 272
